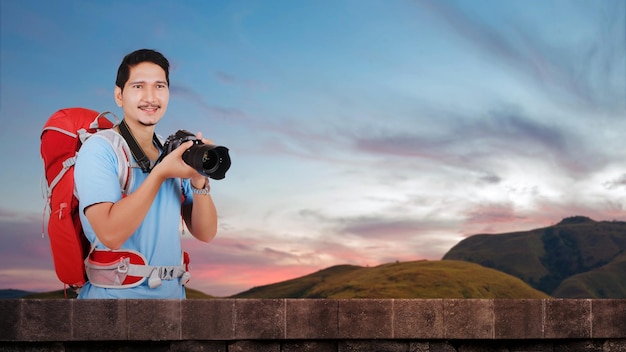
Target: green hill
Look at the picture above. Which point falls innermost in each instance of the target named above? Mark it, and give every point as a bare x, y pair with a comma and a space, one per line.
417, 279
576, 258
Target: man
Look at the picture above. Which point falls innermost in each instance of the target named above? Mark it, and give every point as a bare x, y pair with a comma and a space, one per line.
147, 220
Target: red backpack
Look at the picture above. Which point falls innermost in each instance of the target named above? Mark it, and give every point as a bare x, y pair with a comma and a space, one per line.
76, 260
61, 138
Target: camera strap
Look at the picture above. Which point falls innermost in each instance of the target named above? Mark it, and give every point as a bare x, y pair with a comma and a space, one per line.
135, 149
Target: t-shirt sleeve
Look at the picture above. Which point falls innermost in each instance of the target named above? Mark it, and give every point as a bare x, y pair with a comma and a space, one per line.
187, 193
95, 173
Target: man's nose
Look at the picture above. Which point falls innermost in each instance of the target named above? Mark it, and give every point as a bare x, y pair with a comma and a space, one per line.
149, 94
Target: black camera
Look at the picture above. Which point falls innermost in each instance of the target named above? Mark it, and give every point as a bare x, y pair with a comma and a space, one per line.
210, 160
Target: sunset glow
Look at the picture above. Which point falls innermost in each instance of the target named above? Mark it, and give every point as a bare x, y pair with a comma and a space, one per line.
360, 132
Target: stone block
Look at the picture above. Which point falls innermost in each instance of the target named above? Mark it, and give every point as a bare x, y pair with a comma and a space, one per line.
518, 318
283, 325
608, 318
254, 346
614, 345
10, 311
46, 320
208, 319
311, 318
580, 346
468, 319
567, 318
259, 319
373, 345
531, 346
153, 319
197, 346
114, 346
309, 346
480, 346
419, 346
21, 346
418, 319
100, 320
440, 346
365, 318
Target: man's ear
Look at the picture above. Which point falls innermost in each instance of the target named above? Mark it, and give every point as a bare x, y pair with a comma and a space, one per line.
118, 96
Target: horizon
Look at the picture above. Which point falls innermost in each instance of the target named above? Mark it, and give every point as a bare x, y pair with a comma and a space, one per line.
321, 269
360, 132
574, 219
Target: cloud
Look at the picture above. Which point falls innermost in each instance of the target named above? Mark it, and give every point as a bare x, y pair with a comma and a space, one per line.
387, 226
616, 183
25, 256
227, 265
213, 110
583, 68
488, 214
377, 228
19, 217
22, 245
34, 280
248, 84
489, 178
484, 143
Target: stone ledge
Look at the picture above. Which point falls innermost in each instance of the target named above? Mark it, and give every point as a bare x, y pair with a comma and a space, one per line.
311, 319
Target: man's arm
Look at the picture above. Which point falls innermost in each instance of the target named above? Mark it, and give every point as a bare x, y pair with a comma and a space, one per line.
201, 216
114, 223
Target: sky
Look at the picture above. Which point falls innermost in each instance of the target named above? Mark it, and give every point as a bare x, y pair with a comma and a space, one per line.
360, 131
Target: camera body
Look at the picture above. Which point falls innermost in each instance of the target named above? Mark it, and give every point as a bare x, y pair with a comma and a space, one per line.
209, 160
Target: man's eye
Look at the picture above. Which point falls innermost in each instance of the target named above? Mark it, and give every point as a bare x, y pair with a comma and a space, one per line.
137, 86
161, 86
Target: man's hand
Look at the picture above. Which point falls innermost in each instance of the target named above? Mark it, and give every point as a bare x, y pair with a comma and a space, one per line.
173, 165
198, 179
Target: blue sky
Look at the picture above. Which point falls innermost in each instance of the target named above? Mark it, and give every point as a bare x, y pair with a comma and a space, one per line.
361, 132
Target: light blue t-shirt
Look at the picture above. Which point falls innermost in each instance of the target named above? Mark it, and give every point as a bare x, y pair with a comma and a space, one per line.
157, 238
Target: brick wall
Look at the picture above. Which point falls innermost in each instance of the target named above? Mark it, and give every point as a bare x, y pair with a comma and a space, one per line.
393, 325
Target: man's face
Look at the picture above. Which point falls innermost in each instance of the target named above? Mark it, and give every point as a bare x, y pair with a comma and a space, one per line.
145, 95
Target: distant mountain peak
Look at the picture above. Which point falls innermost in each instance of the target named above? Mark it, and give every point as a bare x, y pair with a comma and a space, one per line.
576, 258
577, 219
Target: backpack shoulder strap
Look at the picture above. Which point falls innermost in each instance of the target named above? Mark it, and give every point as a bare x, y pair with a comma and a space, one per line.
135, 149
125, 162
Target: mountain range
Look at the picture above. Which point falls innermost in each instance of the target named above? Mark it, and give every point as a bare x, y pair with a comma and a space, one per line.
575, 258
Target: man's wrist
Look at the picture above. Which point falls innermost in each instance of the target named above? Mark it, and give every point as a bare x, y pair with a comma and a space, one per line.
205, 189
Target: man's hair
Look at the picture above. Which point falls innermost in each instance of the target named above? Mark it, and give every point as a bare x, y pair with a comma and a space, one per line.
137, 57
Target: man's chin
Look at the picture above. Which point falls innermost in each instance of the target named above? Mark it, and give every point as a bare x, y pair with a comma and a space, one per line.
149, 120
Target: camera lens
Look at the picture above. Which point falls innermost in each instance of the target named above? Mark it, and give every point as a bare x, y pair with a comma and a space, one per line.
209, 160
